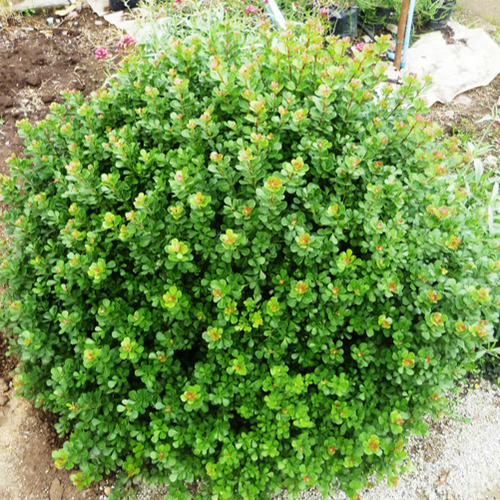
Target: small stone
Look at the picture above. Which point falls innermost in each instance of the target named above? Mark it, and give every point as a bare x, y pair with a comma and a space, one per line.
98, 23
6, 101
450, 114
490, 161
50, 21
392, 28
56, 490
33, 80
46, 98
3, 400
463, 100
107, 491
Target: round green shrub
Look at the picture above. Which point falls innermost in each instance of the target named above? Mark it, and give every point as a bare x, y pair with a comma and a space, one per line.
248, 259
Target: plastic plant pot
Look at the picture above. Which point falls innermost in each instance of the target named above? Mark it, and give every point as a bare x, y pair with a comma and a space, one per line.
345, 23
116, 5
376, 19
442, 15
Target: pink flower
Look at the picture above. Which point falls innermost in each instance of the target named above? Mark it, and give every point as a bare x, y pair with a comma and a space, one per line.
251, 9
359, 46
324, 12
126, 42
101, 53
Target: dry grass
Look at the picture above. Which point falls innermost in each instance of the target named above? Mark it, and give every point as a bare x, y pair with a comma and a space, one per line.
5, 9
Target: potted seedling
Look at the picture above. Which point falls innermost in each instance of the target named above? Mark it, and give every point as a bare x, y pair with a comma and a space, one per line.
442, 14
433, 14
343, 17
376, 14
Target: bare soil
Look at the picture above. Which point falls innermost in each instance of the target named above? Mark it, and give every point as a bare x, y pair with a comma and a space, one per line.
485, 13
37, 62
461, 116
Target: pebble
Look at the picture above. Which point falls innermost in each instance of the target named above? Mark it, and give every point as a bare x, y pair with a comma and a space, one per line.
3, 386
33, 80
46, 98
50, 21
490, 161
463, 100
392, 28
56, 490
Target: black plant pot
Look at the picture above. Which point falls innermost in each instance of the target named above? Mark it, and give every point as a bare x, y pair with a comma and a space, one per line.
345, 23
376, 19
442, 16
116, 5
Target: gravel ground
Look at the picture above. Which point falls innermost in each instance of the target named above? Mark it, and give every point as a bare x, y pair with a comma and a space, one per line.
459, 459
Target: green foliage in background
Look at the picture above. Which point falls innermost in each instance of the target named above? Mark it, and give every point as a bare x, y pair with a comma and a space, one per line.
248, 259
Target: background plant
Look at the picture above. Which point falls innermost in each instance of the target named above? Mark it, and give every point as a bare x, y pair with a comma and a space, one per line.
247, 259
369, 6
482, 148
427, 10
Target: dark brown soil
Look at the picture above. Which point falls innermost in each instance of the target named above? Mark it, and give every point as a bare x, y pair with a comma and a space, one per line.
38, 61
7, 363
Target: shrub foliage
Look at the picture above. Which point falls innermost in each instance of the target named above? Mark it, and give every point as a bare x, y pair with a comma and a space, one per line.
247, 259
